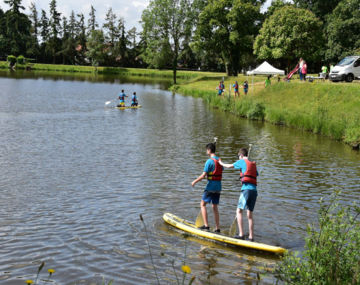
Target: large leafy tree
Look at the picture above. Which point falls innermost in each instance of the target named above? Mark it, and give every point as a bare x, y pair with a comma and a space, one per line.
288, 34
343, 30
228, 28
321, 8
164, 26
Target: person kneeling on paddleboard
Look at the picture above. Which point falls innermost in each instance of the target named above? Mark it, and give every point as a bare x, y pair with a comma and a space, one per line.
213, 172
122, 99
134, 101
247, 200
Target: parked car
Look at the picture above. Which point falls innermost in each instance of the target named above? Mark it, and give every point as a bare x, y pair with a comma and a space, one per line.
347, 69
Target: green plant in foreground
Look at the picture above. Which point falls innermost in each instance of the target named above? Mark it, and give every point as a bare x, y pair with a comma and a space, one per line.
331, 253
184, 268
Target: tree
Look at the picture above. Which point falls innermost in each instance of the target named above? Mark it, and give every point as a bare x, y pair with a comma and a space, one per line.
96, 47
81, 37
33, 45
18, 26
110, 27
228, 28
343, 30
44, 25
34, 19
54, 23
121, 45
320, 8
288, 34
92, 24
164, 23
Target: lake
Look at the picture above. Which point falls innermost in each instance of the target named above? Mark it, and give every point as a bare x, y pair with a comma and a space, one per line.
75, 175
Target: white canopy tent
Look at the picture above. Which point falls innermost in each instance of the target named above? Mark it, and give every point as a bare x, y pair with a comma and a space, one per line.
266, 69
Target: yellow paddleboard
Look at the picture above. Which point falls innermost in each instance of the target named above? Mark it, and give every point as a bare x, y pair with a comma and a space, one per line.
192, 229
128, 107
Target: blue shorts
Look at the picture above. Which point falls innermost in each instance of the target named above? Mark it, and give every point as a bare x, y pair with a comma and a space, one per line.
247, 200
220, 92
211, 197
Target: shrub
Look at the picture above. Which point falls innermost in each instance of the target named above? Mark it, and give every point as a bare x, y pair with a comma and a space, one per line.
20, 59
11, 59
331, 253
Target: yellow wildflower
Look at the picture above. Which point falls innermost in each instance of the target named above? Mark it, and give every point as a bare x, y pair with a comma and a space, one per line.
29, 282
51, 271
186, 269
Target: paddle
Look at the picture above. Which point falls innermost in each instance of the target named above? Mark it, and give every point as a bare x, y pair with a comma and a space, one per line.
199, 222
233, 226
108, 102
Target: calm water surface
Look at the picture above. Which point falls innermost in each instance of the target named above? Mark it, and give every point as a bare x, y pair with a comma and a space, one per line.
74, 177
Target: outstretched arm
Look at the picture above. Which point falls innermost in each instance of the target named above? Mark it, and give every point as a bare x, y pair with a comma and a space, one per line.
226, 165
201, 177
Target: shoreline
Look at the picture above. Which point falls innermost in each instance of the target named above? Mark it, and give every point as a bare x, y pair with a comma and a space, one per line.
325, 108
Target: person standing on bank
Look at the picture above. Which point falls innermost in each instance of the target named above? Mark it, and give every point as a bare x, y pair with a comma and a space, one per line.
301, 63
213, 172
247, 200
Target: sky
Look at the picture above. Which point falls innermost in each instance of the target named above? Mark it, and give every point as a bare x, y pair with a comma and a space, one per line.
130, 10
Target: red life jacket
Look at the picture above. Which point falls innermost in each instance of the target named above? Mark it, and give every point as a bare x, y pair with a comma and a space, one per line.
215, 175
250, 174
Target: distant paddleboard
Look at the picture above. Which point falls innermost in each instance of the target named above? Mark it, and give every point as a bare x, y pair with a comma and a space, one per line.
128, 107
192, 229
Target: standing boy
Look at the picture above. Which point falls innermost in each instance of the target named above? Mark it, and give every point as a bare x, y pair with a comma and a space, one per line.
122, 98
134, 101
213, 172
247, 200
246, 87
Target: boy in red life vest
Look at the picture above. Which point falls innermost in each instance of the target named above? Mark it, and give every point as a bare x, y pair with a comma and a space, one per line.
247, 200
213, 172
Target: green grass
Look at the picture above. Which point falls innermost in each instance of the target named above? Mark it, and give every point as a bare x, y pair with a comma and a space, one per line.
330, 109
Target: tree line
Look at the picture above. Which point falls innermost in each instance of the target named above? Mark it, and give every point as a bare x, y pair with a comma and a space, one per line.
216, 35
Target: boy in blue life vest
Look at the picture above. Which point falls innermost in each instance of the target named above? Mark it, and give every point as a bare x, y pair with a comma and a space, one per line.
122, 99
246, 87
247, 200
134, 101
213, 172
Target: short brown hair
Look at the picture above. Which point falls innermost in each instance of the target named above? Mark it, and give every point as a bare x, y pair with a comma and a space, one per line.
243, 151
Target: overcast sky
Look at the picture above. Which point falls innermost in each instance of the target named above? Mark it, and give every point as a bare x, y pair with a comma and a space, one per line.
130, 10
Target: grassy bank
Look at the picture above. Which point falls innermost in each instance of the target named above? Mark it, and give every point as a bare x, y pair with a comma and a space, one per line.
321, 107
181, 75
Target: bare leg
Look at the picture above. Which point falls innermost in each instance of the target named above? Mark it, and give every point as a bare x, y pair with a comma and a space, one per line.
204, 213
239, 220
216, 216
251, 224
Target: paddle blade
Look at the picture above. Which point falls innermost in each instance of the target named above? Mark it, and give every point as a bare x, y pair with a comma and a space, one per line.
232, 230
199, 220
107, 102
